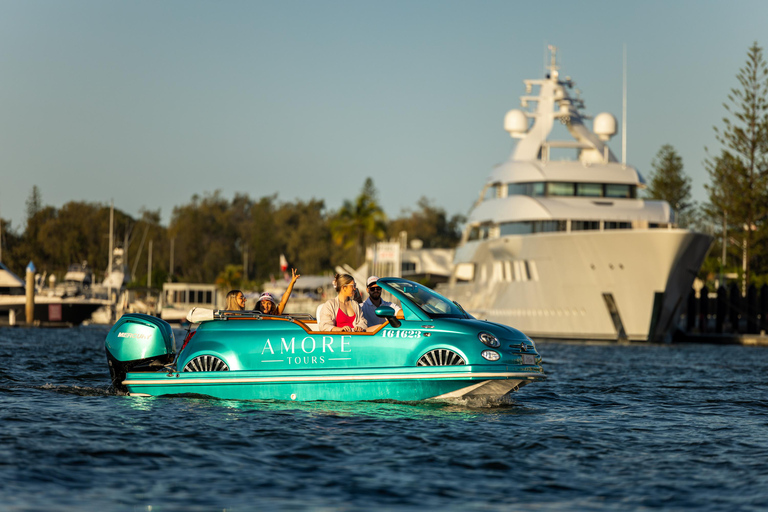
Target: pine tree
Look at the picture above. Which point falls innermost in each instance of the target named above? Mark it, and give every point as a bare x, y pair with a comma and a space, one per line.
669, 182
739, 174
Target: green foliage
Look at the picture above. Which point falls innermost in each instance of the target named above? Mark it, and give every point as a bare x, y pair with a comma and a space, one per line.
34, 202
230, 278
360, 223
738, 192
669, 182
236, 243
429, 224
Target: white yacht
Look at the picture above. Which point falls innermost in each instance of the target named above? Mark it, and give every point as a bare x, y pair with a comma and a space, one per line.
565, 249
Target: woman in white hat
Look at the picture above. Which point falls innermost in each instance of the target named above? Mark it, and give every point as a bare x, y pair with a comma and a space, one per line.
267, 304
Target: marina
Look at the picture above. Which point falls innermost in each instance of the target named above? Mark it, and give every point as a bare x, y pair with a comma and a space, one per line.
562, 206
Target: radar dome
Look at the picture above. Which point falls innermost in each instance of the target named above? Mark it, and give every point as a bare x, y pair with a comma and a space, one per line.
516, 123
605, 126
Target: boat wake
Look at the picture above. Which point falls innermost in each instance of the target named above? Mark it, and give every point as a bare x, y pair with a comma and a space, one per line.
78, 390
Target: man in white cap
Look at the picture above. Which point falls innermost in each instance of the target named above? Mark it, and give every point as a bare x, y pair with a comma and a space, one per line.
374, 301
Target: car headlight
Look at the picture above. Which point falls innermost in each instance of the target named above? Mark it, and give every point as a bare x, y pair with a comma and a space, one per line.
489, 339
490, 355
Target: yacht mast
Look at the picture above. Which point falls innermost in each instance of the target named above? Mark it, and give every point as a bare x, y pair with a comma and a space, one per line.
624, 114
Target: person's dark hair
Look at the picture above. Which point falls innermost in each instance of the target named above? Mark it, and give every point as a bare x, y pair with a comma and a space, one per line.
340, 280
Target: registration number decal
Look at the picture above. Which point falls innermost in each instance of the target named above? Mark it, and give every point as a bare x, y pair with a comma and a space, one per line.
398, 333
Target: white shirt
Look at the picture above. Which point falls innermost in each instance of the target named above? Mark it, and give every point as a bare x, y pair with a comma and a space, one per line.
369, 311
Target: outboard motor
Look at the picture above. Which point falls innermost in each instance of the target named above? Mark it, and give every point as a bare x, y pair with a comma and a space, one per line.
138, 343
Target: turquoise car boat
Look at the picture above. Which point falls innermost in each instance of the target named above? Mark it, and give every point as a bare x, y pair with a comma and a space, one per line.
436, 351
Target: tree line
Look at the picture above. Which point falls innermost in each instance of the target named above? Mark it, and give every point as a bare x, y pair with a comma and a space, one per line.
236, 243
736, 211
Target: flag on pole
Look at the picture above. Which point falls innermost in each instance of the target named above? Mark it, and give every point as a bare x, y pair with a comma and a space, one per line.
283, 263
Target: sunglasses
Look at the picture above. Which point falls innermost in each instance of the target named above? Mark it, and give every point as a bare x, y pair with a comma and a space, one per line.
374, 288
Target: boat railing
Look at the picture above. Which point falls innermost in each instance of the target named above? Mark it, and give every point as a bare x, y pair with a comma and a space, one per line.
258, 315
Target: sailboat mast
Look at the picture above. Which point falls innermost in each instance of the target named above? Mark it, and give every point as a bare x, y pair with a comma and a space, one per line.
111, 236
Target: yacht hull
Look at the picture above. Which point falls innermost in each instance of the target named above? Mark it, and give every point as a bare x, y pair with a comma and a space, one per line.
601, 285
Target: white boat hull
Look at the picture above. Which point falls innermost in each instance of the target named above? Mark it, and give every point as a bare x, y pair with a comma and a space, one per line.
560, 285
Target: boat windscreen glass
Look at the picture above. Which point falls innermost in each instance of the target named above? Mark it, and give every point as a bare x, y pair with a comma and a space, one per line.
430, 302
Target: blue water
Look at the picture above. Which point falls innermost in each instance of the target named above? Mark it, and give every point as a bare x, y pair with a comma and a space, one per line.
613, 428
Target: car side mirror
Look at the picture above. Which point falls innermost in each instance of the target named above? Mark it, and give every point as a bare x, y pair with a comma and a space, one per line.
388, 313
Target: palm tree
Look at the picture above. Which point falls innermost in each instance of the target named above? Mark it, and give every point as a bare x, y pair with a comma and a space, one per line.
230, 278
360, 222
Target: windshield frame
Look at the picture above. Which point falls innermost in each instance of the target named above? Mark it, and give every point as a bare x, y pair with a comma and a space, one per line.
423, 300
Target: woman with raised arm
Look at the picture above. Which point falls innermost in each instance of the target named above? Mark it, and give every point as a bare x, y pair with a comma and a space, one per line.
343, 313
267, 304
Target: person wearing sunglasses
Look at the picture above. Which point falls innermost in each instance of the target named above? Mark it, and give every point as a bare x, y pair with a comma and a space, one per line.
235, 301
374, 301
342, 314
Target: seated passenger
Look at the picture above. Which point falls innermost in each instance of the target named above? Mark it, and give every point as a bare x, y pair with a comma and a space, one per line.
342, 314
374, 301
267, 304
235, 301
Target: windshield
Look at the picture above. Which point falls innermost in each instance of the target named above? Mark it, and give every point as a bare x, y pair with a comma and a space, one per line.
433, 304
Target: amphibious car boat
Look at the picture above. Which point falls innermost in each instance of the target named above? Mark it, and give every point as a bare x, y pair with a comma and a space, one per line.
437, 351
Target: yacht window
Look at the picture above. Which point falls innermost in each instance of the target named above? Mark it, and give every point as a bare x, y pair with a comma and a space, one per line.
479, 232
561, 189
209, 297
589, 189
536, 189
618, 225
518, 189
465, 271
546, 226
492, 192
408, 266
618, 191
516, 228
583, 225
528, 227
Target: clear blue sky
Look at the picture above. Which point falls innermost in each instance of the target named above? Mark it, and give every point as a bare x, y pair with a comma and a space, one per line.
147, 103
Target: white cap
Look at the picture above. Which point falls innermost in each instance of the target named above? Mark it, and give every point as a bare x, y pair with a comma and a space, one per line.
371, 280
267, 296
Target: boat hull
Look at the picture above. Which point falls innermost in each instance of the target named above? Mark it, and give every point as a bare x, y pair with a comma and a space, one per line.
603, 285
53, 310
403, 384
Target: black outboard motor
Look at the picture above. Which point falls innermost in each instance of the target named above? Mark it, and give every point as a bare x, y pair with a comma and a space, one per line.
138, 343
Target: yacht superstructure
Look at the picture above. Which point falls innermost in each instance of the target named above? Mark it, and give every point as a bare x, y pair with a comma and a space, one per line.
565, 248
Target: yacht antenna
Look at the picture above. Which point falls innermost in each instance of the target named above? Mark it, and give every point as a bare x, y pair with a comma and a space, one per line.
553, 62
624, 114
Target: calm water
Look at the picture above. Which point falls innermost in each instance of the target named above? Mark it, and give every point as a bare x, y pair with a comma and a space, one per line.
614, 428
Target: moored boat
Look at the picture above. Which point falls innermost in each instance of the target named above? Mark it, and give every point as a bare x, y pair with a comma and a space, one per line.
564, 248
437, 351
